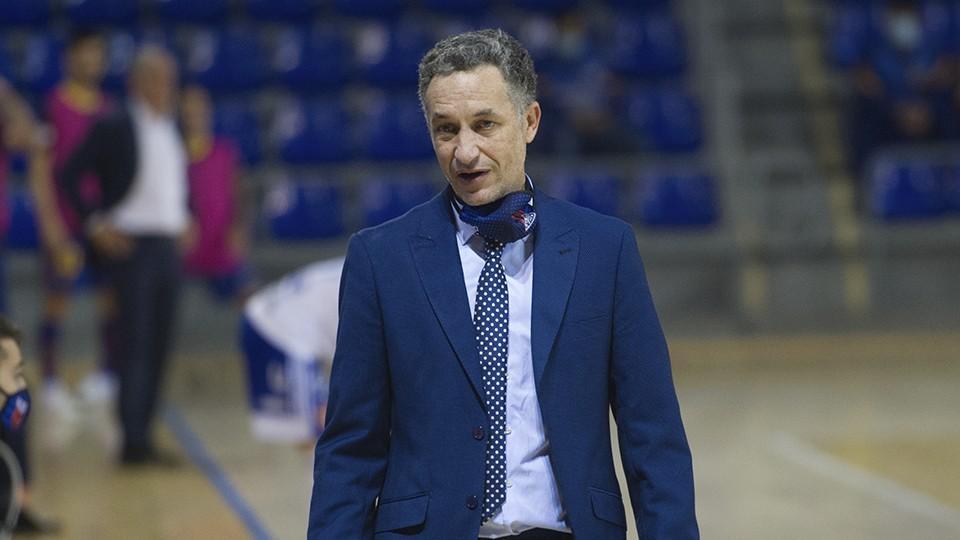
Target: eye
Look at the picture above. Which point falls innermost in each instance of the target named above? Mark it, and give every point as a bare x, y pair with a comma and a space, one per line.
445, 128
486, 124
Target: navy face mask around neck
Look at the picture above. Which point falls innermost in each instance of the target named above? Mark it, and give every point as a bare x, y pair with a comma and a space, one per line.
505, 220
15, 409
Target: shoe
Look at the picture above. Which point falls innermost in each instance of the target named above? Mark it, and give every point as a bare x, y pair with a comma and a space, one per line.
29, 523
149, 456
61, 417
98, 388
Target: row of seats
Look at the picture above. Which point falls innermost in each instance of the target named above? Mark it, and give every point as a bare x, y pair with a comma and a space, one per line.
857, 26
241, 58
311, 208
122, 12
914, 189
387, 128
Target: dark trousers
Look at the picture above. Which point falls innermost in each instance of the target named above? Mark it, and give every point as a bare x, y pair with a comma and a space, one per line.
146, 285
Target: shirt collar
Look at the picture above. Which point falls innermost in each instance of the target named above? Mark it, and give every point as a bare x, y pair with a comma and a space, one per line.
145, 112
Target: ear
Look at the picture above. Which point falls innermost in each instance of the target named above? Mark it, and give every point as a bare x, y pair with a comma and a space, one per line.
531, 120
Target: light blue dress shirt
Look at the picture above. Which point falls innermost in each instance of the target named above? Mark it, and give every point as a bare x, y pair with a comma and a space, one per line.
533, 500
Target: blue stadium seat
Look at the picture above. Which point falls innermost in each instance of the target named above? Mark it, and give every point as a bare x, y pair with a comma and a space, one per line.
849, 34
951, 187
463, 7
382, 199
40, 70
370, 8
23, 233
310, 60
649, 45
305, 210
397, 130
237, 121
906, 189
312, 132
599, 191
388, 56
95, 12
677, 199
280, 10
121, 49
16, 12
638, 5
547, 6
205, 11
668, 119
7, 70
226, 61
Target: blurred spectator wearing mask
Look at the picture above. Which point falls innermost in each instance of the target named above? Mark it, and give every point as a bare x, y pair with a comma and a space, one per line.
218, 242
71, 109
903, 84
142, 213
19, 134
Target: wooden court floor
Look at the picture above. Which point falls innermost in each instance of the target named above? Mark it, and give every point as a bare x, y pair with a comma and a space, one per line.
843, 437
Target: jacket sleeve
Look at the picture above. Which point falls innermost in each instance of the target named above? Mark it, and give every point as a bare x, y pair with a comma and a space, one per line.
653, 445
351, 455
85, 158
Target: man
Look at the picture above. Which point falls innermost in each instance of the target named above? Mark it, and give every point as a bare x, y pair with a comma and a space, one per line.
443, 427
19, 133
141, 169
14, 408
219, 241
71, 109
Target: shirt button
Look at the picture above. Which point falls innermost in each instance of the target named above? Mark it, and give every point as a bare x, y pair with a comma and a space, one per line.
507, 431
478, 433
509, 484
472, 502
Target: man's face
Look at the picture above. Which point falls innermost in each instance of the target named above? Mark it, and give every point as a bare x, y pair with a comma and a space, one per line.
157, 84
478, 136
195, 110
86, 61
11, 367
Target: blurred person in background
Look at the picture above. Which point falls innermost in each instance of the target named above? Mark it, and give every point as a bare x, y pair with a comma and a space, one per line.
902, 87
484, 338
140, 163
287, 334
218, 242
71, 108
14, 410
18, 133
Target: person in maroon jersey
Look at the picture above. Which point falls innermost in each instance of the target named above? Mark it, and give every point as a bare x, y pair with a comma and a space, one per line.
219, 237
71, 109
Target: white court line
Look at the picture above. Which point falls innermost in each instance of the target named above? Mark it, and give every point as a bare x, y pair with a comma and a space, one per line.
902, 497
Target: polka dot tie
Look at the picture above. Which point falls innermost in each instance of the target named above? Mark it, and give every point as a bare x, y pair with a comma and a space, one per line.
490, 320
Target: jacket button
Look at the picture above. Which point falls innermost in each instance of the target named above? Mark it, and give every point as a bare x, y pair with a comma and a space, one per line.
478, 433
472, 502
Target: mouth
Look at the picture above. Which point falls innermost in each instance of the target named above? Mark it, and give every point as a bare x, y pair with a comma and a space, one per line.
471, 176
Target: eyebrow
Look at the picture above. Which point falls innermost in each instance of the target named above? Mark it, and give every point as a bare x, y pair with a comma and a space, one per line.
484, 112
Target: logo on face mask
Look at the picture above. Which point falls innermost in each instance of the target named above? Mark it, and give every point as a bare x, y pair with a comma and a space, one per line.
15, 410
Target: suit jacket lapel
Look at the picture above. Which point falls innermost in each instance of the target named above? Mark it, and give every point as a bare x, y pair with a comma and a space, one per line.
556, 250
437, 259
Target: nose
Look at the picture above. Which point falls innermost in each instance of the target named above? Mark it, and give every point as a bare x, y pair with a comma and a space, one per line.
467, 151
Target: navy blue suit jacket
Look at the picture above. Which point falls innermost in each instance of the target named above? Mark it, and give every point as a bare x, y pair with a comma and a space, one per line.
400, 456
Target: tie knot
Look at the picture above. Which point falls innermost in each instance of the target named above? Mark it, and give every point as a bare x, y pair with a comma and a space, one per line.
493, 249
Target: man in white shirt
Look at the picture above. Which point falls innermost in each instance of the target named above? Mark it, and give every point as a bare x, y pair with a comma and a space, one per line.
141, 166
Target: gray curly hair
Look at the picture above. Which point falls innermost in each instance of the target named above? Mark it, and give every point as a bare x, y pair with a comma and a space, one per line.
469, 50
